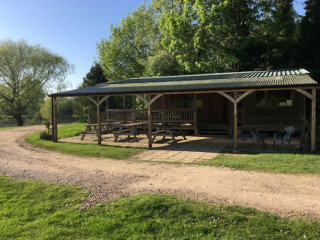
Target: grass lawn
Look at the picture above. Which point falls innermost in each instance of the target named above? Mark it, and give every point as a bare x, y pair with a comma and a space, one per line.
271, 162
6, 128
94, 150
33, 210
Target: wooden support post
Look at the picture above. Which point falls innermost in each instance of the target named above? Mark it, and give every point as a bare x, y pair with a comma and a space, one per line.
54, 119
149, 103
195, 115
235, 126
235, 100
313, 98
149, 124
98, 121
313, 121
134, 116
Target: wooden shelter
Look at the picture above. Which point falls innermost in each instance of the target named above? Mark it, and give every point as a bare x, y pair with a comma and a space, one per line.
266, 100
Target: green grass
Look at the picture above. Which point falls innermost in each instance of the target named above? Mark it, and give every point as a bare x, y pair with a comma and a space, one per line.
93, 150
33, 210
271, 162
6, 128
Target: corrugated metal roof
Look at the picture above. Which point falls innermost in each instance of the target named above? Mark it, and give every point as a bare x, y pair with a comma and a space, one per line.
203, 82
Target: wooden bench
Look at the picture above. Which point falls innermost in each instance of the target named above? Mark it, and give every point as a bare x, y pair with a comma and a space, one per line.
168, 130
128, 129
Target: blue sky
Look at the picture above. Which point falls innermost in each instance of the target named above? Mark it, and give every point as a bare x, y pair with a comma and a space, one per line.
71, 28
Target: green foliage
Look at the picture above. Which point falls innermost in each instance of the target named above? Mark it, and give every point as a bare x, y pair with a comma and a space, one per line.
65, 109
125, 54
94, 76
93, 150
26, 72
292, 163
83, 107
47, 124
45, 110
309, 39
172, 37
33, 210
45, 135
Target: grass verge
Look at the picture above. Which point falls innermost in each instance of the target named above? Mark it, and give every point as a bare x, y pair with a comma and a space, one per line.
272, 162
6, 128
33, 210
93, 150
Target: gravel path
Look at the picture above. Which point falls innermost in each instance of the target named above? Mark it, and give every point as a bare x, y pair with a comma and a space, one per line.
284, 195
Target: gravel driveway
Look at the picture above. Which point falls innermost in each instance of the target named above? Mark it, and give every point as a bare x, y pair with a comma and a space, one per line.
284, 195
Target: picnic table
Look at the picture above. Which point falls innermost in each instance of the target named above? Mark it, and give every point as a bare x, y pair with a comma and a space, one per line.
129, 129
167, 130
250, 134
92, 128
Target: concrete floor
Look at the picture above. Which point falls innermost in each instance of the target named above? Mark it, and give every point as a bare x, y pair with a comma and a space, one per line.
195, 148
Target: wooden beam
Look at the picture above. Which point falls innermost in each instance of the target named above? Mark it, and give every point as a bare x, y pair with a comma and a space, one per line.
92, 100
305, 93
235, 126
208, 91
54, 119
195, 115
154, 98
149, 125
102, 100
242, 96
98, 121
313, 121
107, 103
227, 96
145, 101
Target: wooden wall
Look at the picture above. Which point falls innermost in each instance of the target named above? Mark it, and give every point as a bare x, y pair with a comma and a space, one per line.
274, 117
215, 109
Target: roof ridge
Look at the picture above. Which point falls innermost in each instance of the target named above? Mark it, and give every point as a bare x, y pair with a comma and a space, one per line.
220, 73
244, 74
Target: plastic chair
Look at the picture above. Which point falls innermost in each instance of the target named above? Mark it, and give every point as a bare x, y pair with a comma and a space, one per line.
283, 136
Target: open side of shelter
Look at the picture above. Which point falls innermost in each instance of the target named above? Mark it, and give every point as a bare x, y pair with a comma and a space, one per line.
192, 99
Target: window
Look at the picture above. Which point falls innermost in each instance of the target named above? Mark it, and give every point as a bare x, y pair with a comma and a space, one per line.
185, 101
274, 98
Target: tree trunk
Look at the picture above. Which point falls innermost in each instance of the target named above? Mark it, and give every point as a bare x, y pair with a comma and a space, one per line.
19, 120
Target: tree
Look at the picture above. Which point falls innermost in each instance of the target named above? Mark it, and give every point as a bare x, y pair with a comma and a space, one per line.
27, 71
171, 37
81, 106
309, 40
125, 53
284, 33
94, 76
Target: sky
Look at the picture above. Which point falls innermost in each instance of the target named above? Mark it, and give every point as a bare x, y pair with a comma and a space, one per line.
70, 28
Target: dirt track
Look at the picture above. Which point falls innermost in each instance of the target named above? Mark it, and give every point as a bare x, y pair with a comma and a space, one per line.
285, 195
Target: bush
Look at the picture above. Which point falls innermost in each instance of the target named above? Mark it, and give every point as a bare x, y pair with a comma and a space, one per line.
45, 135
